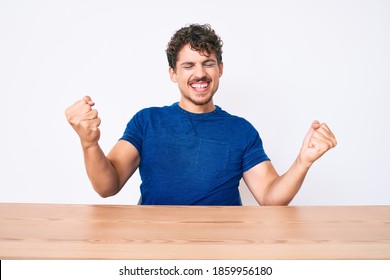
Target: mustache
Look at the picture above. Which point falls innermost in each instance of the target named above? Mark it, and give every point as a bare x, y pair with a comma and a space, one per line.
201, 79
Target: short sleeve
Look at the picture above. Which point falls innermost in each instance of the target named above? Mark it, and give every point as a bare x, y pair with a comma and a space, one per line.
134, 132
254, 153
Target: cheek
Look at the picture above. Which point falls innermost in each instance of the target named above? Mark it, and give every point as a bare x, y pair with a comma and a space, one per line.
183, 79
215, 76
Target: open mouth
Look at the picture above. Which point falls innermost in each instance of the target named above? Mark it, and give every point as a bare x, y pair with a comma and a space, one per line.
200, 86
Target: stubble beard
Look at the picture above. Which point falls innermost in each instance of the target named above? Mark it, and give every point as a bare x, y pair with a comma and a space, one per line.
201, 101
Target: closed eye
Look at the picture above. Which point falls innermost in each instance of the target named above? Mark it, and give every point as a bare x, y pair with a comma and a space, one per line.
187, 65
209, 63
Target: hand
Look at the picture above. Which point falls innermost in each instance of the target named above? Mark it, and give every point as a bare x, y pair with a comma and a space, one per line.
84, 121
318, 141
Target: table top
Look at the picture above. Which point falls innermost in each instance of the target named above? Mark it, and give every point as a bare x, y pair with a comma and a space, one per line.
62, 231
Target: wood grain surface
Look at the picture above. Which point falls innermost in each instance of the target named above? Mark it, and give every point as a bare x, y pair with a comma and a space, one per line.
60, 231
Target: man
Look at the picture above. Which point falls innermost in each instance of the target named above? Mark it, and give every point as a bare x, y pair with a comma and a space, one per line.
192, 152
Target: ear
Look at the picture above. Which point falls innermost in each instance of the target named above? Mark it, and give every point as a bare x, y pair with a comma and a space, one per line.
172, 75
220, 66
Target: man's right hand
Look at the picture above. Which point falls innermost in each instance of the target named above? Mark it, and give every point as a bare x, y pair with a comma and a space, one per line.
84, 121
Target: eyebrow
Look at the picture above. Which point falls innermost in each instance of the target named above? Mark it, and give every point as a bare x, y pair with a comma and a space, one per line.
188, 63
209, 60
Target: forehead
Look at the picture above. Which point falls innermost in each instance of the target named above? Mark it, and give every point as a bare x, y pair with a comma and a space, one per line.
187, 54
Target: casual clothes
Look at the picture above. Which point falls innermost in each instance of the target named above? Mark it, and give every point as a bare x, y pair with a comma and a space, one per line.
192, 159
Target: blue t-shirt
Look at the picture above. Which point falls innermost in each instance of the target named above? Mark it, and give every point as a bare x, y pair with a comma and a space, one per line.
192, 159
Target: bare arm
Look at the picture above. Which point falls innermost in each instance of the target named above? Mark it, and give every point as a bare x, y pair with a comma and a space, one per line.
271, 189
107, 174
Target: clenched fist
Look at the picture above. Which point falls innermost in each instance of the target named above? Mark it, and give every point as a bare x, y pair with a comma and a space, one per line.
84, 121
318, 141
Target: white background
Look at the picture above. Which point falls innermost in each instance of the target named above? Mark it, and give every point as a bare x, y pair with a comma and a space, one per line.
286, 63
109, 269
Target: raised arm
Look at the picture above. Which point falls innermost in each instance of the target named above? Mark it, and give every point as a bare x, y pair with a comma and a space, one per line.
271, 189
108, 173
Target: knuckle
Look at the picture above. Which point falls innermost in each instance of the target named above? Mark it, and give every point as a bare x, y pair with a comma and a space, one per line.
83, 124
71, 119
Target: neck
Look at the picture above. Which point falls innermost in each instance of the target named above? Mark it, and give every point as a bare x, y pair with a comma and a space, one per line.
197, 109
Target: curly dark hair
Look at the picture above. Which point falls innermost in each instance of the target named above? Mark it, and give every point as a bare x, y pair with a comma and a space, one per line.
202, 38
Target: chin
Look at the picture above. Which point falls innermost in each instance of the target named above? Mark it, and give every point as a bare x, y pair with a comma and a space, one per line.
202, 101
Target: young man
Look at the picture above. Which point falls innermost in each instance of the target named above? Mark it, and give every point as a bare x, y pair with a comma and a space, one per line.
192, 152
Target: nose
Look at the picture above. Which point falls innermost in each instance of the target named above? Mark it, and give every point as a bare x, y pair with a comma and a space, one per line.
199, 71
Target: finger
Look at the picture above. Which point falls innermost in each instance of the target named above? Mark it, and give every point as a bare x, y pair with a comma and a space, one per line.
90, 124
88, 100
306, 140
77, 119
90, 115
324, 126
326, 133
321, 139
315, 124
77, 110
79, 106
96, 123
74, 107
319, 146
324, 129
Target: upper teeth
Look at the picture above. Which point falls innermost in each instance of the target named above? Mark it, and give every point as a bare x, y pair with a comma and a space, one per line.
199, 85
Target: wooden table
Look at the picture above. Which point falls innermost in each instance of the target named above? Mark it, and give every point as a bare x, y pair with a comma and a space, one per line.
53, 231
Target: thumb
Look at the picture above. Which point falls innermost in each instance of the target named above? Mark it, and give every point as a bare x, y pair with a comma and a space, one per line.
306, 142
88, 100
315, 124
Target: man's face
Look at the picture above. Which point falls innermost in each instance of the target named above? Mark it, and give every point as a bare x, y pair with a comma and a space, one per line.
197, 76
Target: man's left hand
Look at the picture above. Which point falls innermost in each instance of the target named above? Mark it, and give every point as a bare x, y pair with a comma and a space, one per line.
319, 139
